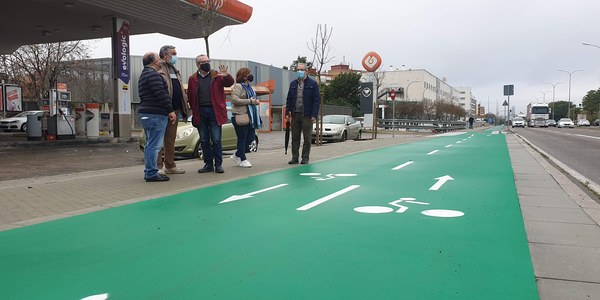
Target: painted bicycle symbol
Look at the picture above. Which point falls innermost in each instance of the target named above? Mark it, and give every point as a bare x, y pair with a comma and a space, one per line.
438, 213
317, 176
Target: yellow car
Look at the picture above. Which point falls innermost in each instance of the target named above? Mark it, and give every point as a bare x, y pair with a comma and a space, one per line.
187, 142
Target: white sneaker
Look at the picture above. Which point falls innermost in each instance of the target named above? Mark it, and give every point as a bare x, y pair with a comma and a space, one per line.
236, 159
245, 164
162, 172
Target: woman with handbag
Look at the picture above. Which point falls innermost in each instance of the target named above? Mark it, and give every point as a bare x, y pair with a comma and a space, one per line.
246, 119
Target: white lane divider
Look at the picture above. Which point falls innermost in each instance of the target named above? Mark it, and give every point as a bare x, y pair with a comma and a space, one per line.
327, 198
402, 165
432, 152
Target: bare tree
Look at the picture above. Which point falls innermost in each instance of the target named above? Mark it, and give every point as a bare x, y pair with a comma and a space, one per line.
37, 67
320, 48
207, 18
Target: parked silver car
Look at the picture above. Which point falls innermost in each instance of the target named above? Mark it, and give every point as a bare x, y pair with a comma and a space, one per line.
565, 122
551, 122
583, 122
338, 128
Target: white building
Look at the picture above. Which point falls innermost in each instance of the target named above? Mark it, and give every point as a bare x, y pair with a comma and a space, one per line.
417, 85
467, 100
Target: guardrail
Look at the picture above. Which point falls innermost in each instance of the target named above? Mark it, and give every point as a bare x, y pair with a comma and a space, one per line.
433, 125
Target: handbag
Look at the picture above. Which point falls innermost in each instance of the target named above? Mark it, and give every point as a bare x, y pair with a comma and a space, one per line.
242, 119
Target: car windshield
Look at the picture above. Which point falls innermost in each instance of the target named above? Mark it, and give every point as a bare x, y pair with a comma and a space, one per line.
334, 119
518, 119
565, 120
24, 114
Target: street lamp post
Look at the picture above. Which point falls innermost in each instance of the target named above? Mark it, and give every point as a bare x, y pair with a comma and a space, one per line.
570, 74
593, 45
553, 91
544, 93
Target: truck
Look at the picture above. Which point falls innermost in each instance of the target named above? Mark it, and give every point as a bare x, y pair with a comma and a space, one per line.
537, 115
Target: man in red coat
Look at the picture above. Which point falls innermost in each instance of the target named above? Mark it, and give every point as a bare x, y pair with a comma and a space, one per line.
209, 110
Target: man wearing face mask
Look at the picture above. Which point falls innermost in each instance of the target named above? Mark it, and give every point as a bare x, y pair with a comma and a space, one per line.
209, 111
302, 105
155, 112
168, 55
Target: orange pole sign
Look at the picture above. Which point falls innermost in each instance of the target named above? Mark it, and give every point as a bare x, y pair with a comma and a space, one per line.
371, 62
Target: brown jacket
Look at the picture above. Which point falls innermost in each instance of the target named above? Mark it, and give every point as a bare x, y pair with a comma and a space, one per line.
164, 72
239, 100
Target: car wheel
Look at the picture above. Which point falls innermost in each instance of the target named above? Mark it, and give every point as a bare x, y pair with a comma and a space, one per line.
198, 151
24, 127
344, 136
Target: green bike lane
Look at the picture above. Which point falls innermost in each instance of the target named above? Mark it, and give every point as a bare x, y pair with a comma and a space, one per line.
382, 224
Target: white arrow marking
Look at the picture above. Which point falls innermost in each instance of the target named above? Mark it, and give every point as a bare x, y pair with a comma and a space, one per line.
249, 195
402, 165
327, 198
432, 152
441, 181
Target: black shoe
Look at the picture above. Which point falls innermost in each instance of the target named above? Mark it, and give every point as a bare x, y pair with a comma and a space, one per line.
219, 169
158, 177
207, 168
293, 161
304, 161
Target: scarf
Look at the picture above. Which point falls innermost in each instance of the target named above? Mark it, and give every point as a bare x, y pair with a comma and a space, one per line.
255, 121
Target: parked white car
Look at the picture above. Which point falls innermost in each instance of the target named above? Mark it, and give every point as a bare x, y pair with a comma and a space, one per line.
18, 122
565, 122
339, 128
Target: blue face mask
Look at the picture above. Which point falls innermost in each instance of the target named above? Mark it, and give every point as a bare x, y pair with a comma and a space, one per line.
173, 59
300, 74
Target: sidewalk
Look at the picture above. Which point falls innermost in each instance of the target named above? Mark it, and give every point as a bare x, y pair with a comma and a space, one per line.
561, 221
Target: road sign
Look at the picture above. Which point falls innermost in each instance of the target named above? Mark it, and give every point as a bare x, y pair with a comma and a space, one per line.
505, 103
366, 97
372, 61
393, 94
509, 90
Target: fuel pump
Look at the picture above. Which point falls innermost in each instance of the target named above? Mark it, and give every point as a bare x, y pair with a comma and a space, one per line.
61, 124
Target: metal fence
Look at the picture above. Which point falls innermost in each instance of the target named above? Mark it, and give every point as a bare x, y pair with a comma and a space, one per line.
417, 125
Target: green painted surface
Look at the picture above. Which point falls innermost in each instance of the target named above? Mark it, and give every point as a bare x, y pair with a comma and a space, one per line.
188, 246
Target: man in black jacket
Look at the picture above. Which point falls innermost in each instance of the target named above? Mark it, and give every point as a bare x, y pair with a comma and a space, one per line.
155, 112
302, 103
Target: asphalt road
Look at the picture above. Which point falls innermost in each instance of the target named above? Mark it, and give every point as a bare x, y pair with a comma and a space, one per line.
578, 148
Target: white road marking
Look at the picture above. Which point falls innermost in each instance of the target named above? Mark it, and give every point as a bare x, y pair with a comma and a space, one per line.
432, 152
448, 146
249, 195
441, 181
327, 198
587, 136
402, 165
96, 297
458, 142
443, 213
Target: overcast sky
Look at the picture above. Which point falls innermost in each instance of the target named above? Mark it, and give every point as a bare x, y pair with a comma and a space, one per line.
483, 44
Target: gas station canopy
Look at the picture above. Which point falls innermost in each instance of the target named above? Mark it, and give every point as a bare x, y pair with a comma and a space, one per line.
25, 22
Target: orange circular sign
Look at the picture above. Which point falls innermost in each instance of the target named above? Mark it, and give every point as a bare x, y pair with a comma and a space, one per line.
372, 61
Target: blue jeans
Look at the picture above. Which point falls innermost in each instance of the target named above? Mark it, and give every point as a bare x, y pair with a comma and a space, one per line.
154, 126
245, 136
210, 131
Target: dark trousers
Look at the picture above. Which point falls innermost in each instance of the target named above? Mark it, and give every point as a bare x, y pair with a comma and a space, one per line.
210, 132
304, 125
245, 136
